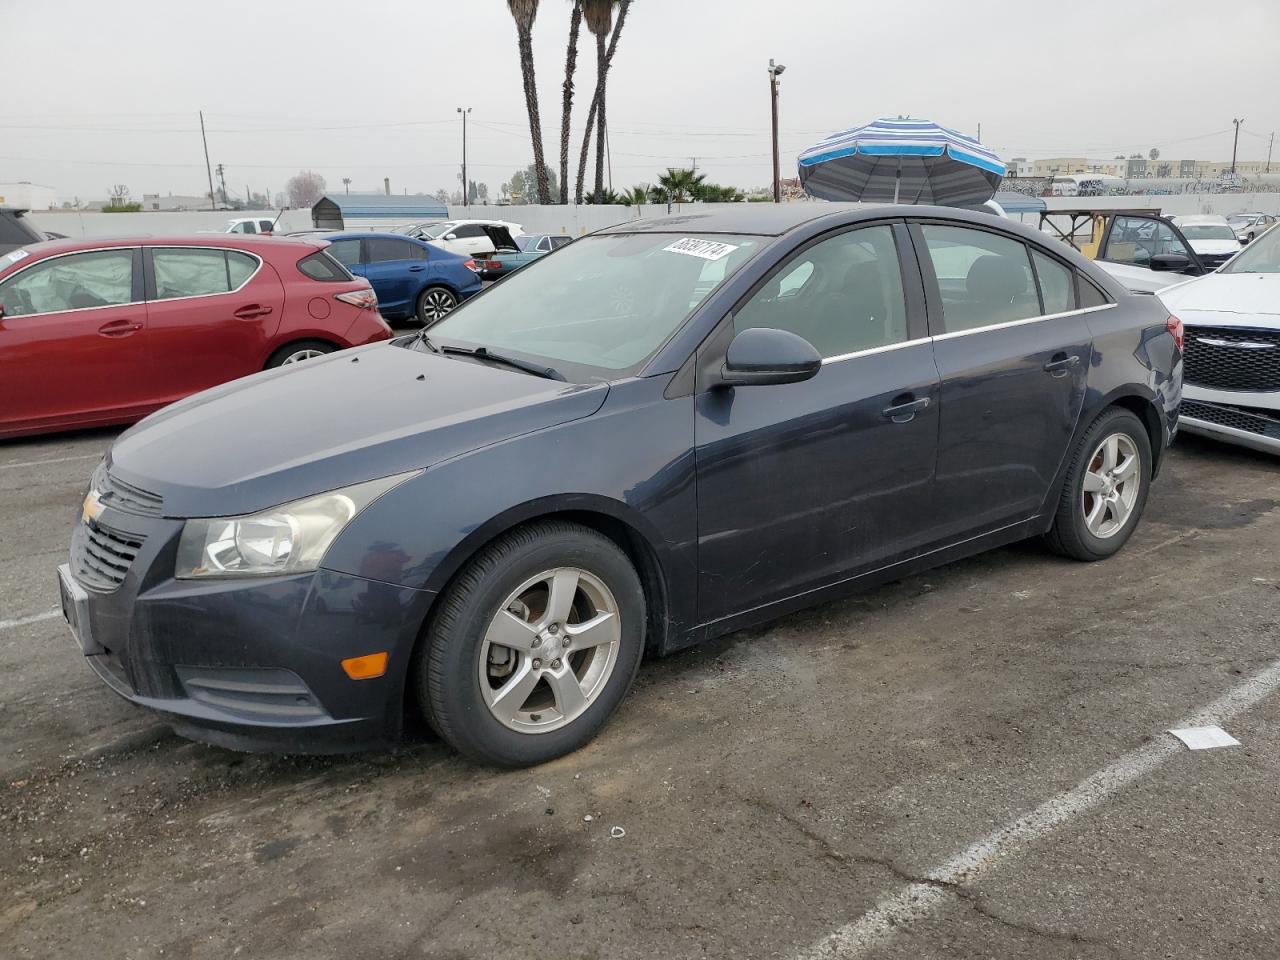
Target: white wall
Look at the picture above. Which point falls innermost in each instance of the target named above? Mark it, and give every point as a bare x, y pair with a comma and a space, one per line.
575, 220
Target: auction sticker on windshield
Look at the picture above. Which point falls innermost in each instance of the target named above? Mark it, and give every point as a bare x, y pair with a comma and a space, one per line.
704, 249
17, 255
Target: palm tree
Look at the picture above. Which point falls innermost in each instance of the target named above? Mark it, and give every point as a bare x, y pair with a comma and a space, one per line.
635, 196
679, 186
598, 23
602, 196
570, 65
524, 12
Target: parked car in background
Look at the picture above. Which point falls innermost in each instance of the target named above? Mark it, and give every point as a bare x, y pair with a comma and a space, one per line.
16, 230
413, 279
416, 230
671, 429
530, 247
1249, 226
97, 332
1211, 237
473, 238
1147, 252
251, 225
1232, 363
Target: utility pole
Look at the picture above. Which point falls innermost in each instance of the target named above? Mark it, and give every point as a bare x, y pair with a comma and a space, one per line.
1269, 146
207, 168
222, 181
466, 185
1234, 144
775, 69
248, 198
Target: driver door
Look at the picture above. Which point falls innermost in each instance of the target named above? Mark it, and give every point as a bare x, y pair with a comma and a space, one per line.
1132, 241
806, 484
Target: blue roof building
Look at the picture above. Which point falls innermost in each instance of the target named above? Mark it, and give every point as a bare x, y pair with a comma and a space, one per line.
332, 211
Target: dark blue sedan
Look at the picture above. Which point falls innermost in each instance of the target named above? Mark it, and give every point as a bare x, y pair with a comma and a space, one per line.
669, 430
413, 280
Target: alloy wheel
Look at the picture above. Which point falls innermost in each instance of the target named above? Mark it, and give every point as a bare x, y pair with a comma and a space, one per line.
437, 303
299, 355
549, 651
1111, 486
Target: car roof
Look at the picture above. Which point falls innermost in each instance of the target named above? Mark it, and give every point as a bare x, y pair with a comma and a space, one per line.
255, 243
357, 234
775, 219
1199, 218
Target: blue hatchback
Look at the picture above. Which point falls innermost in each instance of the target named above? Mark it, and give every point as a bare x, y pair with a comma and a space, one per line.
413, 280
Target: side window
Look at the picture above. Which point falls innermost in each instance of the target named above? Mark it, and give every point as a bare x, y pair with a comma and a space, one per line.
983, 277
544, 243
468, 230
248, 227
240, 267
1056, 286
843, 294
384, 249
558, 242
415, 251
1136, 240
189, 272
74, 282
266, 226
346, 252
321, 266
1090, 295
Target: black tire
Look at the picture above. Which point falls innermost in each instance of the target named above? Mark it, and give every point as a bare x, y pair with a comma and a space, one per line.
281, 356
432, 301
445, 674
1069, 535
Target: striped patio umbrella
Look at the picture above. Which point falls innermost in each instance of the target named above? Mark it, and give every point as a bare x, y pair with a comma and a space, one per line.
907, 161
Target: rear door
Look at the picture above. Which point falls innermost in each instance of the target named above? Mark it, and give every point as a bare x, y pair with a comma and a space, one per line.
211, 313
73, 338
805, 484
1013, 352
396, 268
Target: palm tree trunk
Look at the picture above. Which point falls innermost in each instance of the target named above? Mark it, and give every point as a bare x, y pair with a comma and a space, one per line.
531, 104
597, 105
570, 65
602, 71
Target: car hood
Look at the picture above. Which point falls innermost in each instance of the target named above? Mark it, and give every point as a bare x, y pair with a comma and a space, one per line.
1215, 247
357, 415
1228, 295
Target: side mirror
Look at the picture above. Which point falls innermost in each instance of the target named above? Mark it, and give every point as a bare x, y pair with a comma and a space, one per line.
1169, 262
451, 236
762, 355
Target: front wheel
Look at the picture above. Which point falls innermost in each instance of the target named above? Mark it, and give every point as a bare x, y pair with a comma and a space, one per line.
434, 303
534, 646
1105, 490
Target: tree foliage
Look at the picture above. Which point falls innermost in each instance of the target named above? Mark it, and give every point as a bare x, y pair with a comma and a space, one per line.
304, 188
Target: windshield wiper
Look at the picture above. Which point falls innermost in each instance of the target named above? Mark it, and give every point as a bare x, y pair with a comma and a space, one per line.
423, 339
484, 353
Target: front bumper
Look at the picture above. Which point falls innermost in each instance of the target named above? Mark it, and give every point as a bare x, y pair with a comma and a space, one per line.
252, 663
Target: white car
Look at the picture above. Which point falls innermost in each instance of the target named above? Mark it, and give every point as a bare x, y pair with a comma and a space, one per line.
1250, 226
251, 225
1211, 237
472, 238
1146, 252
1231, 360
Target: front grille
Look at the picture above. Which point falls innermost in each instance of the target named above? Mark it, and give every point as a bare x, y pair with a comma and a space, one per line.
115, 492
1238, 418
101, 556
1232, 358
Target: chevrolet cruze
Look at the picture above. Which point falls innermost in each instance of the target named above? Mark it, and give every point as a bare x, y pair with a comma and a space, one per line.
665, 431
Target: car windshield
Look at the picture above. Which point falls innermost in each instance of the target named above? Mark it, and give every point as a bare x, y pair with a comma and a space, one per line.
437, 230
524, 243
600, 307
1261, 256
1208, 231
1240, 218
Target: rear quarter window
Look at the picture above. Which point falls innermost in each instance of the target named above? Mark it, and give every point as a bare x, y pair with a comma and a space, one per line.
321, 266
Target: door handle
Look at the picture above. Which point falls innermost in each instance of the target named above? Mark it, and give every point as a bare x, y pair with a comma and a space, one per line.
905, 410
417, 269
1060, 365
119, 328
252, 311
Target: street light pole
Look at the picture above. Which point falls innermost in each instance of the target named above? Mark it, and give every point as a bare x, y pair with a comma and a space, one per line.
466, 186
775, 69
1235, 143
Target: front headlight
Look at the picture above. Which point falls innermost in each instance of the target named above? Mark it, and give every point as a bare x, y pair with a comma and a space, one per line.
291, 538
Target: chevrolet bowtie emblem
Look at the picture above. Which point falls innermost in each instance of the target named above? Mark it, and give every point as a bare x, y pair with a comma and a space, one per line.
92, 508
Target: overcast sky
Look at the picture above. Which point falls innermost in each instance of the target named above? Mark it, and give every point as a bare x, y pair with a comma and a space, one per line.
101, 93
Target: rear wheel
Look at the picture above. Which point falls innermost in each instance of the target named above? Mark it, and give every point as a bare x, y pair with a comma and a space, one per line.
1105, 490
434, 303
535, 645
298, 351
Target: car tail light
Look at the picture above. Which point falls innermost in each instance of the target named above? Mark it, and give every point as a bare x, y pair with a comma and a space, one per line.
1174, 326
365, 299
493, 264
471, 265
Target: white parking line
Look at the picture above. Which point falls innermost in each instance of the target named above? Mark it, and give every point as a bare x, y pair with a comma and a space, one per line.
37, 463
915, 901
34, 618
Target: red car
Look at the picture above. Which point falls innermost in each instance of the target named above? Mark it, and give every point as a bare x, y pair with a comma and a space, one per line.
96, 332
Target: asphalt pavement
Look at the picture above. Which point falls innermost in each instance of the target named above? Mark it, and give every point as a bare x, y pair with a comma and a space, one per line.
967, 763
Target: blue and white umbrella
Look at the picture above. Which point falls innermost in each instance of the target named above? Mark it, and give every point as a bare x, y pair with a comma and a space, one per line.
902, 161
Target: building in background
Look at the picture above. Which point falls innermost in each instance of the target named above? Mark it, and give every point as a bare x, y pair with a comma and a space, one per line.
28, 196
